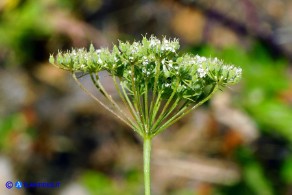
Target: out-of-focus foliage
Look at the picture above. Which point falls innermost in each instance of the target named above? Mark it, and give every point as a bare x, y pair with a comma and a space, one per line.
265, 80
21, 24
286, 171
62, 133
14, 129
98, 183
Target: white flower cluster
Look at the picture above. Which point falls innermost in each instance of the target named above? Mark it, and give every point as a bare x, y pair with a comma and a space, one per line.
166, 45
154, 42
200, 62
153, 62
202, 72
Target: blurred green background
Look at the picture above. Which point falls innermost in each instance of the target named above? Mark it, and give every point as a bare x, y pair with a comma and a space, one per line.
50, 131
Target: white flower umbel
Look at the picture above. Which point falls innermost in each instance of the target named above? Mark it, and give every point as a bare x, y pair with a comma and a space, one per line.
157, 84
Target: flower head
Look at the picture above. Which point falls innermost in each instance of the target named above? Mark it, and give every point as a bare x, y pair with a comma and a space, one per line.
153, 63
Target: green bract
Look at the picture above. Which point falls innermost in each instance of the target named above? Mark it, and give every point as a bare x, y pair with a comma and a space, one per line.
156, 84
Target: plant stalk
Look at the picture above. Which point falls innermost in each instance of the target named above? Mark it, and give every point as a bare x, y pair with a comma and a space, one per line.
147, 155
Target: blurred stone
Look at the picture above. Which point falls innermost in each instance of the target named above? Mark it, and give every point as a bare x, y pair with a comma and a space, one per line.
51, 75
195, 168
188, 24
7, 174
222, 37
275, 8
15, 91
233, 118
74, 188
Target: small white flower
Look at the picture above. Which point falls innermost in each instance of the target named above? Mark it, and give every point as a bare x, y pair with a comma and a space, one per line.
167, 85
154, 41
170, 63
238, 71
168, 45
99, 60
145, 62
202, 72
200, 59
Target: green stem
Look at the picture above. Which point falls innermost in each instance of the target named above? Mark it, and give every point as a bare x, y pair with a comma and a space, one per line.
146, 110
100, 102
163, 113
99, 86
147, 154
164, 116
184, 111
136, 98
123, 95
152, 105
133, 108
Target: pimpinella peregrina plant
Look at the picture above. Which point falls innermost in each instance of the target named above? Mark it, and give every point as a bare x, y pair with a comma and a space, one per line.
157, 84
